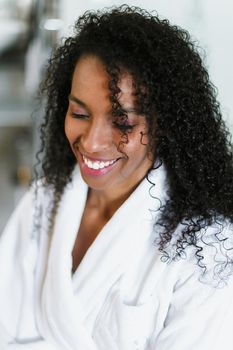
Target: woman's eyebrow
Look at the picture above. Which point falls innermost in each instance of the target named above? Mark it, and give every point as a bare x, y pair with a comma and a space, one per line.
76, 100
127, 110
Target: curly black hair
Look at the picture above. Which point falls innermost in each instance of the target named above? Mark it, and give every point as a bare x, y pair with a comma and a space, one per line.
173, 91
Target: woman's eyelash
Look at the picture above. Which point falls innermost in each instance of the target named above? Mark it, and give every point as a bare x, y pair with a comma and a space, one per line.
120, 126
79, 115
123, 127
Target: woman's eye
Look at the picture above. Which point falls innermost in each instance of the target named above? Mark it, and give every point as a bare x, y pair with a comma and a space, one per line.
79, 115
123, 127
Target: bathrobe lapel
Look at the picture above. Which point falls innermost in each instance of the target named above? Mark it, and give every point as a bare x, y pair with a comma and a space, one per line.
60, 311
68, 301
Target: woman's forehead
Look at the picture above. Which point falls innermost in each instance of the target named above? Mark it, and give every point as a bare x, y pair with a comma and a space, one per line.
91, 78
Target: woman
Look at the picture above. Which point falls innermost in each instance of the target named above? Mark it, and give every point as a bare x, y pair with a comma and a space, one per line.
125, 242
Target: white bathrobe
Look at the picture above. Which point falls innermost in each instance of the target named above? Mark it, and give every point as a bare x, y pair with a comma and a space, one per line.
121, 297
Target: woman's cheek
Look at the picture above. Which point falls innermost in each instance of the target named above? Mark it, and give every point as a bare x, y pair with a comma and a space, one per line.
69, 129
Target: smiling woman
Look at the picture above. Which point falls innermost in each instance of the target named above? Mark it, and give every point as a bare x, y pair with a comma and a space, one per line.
128, 242
111, 168
107, 162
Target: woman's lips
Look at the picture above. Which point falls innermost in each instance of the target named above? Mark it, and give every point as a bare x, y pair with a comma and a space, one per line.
96, 167
97, 164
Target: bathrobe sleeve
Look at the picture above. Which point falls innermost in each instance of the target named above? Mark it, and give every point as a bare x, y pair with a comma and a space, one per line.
15, 249
18, 253
11, 251
199, 316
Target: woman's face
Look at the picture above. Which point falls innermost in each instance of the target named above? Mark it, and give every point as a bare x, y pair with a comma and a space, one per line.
107, 162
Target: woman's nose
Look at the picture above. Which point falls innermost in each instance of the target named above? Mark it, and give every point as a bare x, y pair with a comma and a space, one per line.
96, 137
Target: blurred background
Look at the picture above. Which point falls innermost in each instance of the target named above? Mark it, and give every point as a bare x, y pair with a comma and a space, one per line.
29, 29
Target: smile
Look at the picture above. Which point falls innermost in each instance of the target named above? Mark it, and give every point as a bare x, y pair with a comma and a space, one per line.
97, 164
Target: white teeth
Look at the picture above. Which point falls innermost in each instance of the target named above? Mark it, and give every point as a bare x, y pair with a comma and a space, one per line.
97, 164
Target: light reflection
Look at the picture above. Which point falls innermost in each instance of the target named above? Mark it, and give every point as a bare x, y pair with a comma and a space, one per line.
52, 24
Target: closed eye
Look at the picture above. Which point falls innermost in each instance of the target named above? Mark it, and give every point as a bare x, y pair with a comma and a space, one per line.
79, 115
123, 127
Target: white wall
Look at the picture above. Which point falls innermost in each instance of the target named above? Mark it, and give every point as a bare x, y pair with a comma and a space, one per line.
210, 22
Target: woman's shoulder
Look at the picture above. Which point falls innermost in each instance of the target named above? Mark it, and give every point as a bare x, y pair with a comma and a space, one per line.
30, 209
